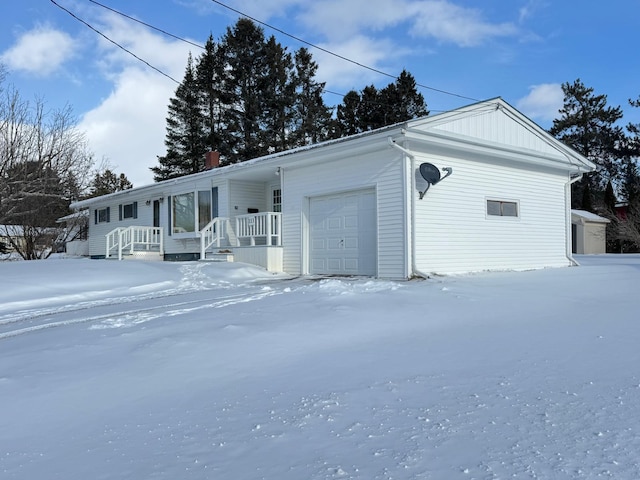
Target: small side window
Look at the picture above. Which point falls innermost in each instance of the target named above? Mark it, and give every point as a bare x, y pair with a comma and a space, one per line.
128, 210
276, 200
500, 208
102, 215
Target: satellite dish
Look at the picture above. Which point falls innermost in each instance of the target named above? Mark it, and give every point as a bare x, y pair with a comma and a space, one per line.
432, 175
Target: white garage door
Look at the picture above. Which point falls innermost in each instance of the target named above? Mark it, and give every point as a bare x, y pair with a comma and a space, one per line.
343, 234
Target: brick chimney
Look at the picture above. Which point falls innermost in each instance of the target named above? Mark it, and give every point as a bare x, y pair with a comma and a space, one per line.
211, 160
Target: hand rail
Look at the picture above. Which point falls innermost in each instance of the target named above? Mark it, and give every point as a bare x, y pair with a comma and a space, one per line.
266, 225
130, 237
212, 233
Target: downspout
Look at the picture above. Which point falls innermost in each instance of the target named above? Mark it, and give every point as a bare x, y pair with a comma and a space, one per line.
411, 219
567, 195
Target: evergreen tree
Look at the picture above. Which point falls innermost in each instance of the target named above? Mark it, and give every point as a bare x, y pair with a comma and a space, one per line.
610, 198
587, 125
312, 118
372, 108
108, 182
209, 76
278, 96
402, 101
348, 121
245, 69
185, 138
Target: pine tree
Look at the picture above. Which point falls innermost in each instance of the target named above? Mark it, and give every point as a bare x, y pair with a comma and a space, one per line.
348, 121
245, 69
402, 101
312, 118
372, 108
587, 125
209, 76
278, 96
610, 198
186, 136
108, 182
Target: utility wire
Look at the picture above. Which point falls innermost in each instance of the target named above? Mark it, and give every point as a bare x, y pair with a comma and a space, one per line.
336, 54
147, 25
115, 43
164, 32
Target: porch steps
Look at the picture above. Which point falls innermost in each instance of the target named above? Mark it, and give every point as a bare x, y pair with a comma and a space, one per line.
146, 256
221, 256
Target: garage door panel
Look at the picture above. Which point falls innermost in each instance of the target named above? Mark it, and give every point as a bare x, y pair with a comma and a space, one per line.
343, 234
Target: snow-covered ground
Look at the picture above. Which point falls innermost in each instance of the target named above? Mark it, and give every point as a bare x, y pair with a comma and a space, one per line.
150, 370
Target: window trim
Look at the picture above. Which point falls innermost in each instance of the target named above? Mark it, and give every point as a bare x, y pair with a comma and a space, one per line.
502, 202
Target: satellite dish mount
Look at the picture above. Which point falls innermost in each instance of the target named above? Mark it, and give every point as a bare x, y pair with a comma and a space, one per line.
432, 175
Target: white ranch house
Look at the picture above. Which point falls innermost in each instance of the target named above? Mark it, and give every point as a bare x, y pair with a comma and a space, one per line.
358, 205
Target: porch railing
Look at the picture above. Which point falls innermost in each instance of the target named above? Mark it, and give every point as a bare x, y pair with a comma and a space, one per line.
213, 234
259, 229
134, 239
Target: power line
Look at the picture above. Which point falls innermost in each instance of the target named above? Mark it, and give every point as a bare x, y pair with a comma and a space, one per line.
164, 32
115, 43
147, 25
336, 54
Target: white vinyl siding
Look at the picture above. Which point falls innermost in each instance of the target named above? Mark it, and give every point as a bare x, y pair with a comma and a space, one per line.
246, 195
381, 171
97, 232
454, 234
495, 127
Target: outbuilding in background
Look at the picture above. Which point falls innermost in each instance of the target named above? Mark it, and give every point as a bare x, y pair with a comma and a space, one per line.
588, 232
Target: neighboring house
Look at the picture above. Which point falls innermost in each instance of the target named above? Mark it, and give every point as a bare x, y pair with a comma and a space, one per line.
588, 232
11, 235
359, 206
74, 238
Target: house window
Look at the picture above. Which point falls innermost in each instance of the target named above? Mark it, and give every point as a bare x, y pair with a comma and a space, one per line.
128, 210
204, 208
187, 213
102, 215
183, 213
276, 200
500, 208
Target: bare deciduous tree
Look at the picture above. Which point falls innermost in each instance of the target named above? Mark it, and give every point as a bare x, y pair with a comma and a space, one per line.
44, 165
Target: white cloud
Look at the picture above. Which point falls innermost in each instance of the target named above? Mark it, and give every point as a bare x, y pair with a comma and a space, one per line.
40, 51
341, 74
451, 23
128, 128
543, 101
338, 20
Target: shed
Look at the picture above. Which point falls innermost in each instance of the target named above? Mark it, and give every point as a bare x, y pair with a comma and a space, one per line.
478, 188
588, 232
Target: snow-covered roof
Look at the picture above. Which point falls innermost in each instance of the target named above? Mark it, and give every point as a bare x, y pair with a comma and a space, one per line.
586, 216
422, 131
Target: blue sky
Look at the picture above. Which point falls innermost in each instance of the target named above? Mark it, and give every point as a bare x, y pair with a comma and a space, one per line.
520, 50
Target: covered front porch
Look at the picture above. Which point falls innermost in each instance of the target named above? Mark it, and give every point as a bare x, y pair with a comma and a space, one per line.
254, 238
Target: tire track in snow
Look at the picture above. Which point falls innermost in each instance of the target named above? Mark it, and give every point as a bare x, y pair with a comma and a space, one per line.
126, 318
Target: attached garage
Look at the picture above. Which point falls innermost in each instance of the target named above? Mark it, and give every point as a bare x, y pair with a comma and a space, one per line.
342, 233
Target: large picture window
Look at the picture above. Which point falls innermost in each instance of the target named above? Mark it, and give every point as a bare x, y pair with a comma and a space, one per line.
189, 214
183, 213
